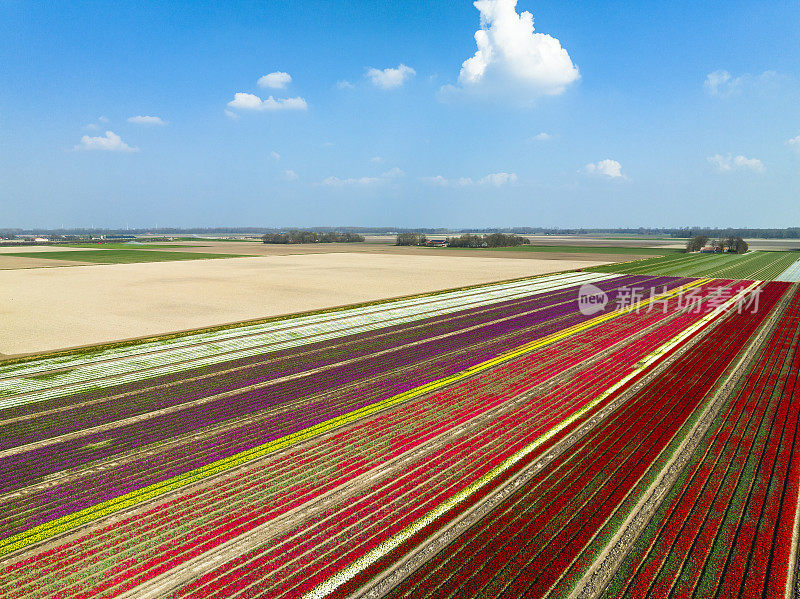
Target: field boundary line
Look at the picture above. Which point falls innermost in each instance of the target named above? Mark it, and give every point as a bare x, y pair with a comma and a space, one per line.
604, 567
71, 521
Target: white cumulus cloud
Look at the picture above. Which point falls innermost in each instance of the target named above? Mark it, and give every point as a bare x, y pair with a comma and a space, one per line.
146, 120
245, 101
276, 80
110, 142
605, 168
794, 142
728, 163
390, 78
274, 155
290, 175
344, 84
512, 61
542, 137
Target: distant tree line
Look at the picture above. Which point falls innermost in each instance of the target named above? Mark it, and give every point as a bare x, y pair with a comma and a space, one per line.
311, 237
683, 232
411, 239
789, 233
732, 244
493, 240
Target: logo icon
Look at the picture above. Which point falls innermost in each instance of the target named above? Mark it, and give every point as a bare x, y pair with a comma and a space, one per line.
591, 299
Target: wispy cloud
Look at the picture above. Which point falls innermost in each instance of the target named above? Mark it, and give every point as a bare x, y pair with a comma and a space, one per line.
493, 179
722, 84
387, 176
393, 173
728, 163
361, 181
542, 137
146, 120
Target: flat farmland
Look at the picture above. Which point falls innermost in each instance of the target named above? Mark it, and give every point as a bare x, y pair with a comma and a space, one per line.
119, 256
12, 257
46, 309
492, 440
597, 253
631, 251
757, 265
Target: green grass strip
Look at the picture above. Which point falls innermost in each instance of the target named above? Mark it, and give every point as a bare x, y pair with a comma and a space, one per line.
133, 245
758, 265
586, 249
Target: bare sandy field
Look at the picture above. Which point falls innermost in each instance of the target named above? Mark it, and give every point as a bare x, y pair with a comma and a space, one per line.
54, 308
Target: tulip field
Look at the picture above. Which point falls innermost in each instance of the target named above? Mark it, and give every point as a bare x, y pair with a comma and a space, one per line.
504, 440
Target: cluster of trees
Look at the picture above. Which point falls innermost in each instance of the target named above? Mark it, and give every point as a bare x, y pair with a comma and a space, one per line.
493, 240
311, 237
411, 239
732, 244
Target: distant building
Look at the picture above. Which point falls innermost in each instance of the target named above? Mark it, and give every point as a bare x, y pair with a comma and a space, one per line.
710, 250
437, 243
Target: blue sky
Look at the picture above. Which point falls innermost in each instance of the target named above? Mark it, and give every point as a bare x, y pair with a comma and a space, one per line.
653, 114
